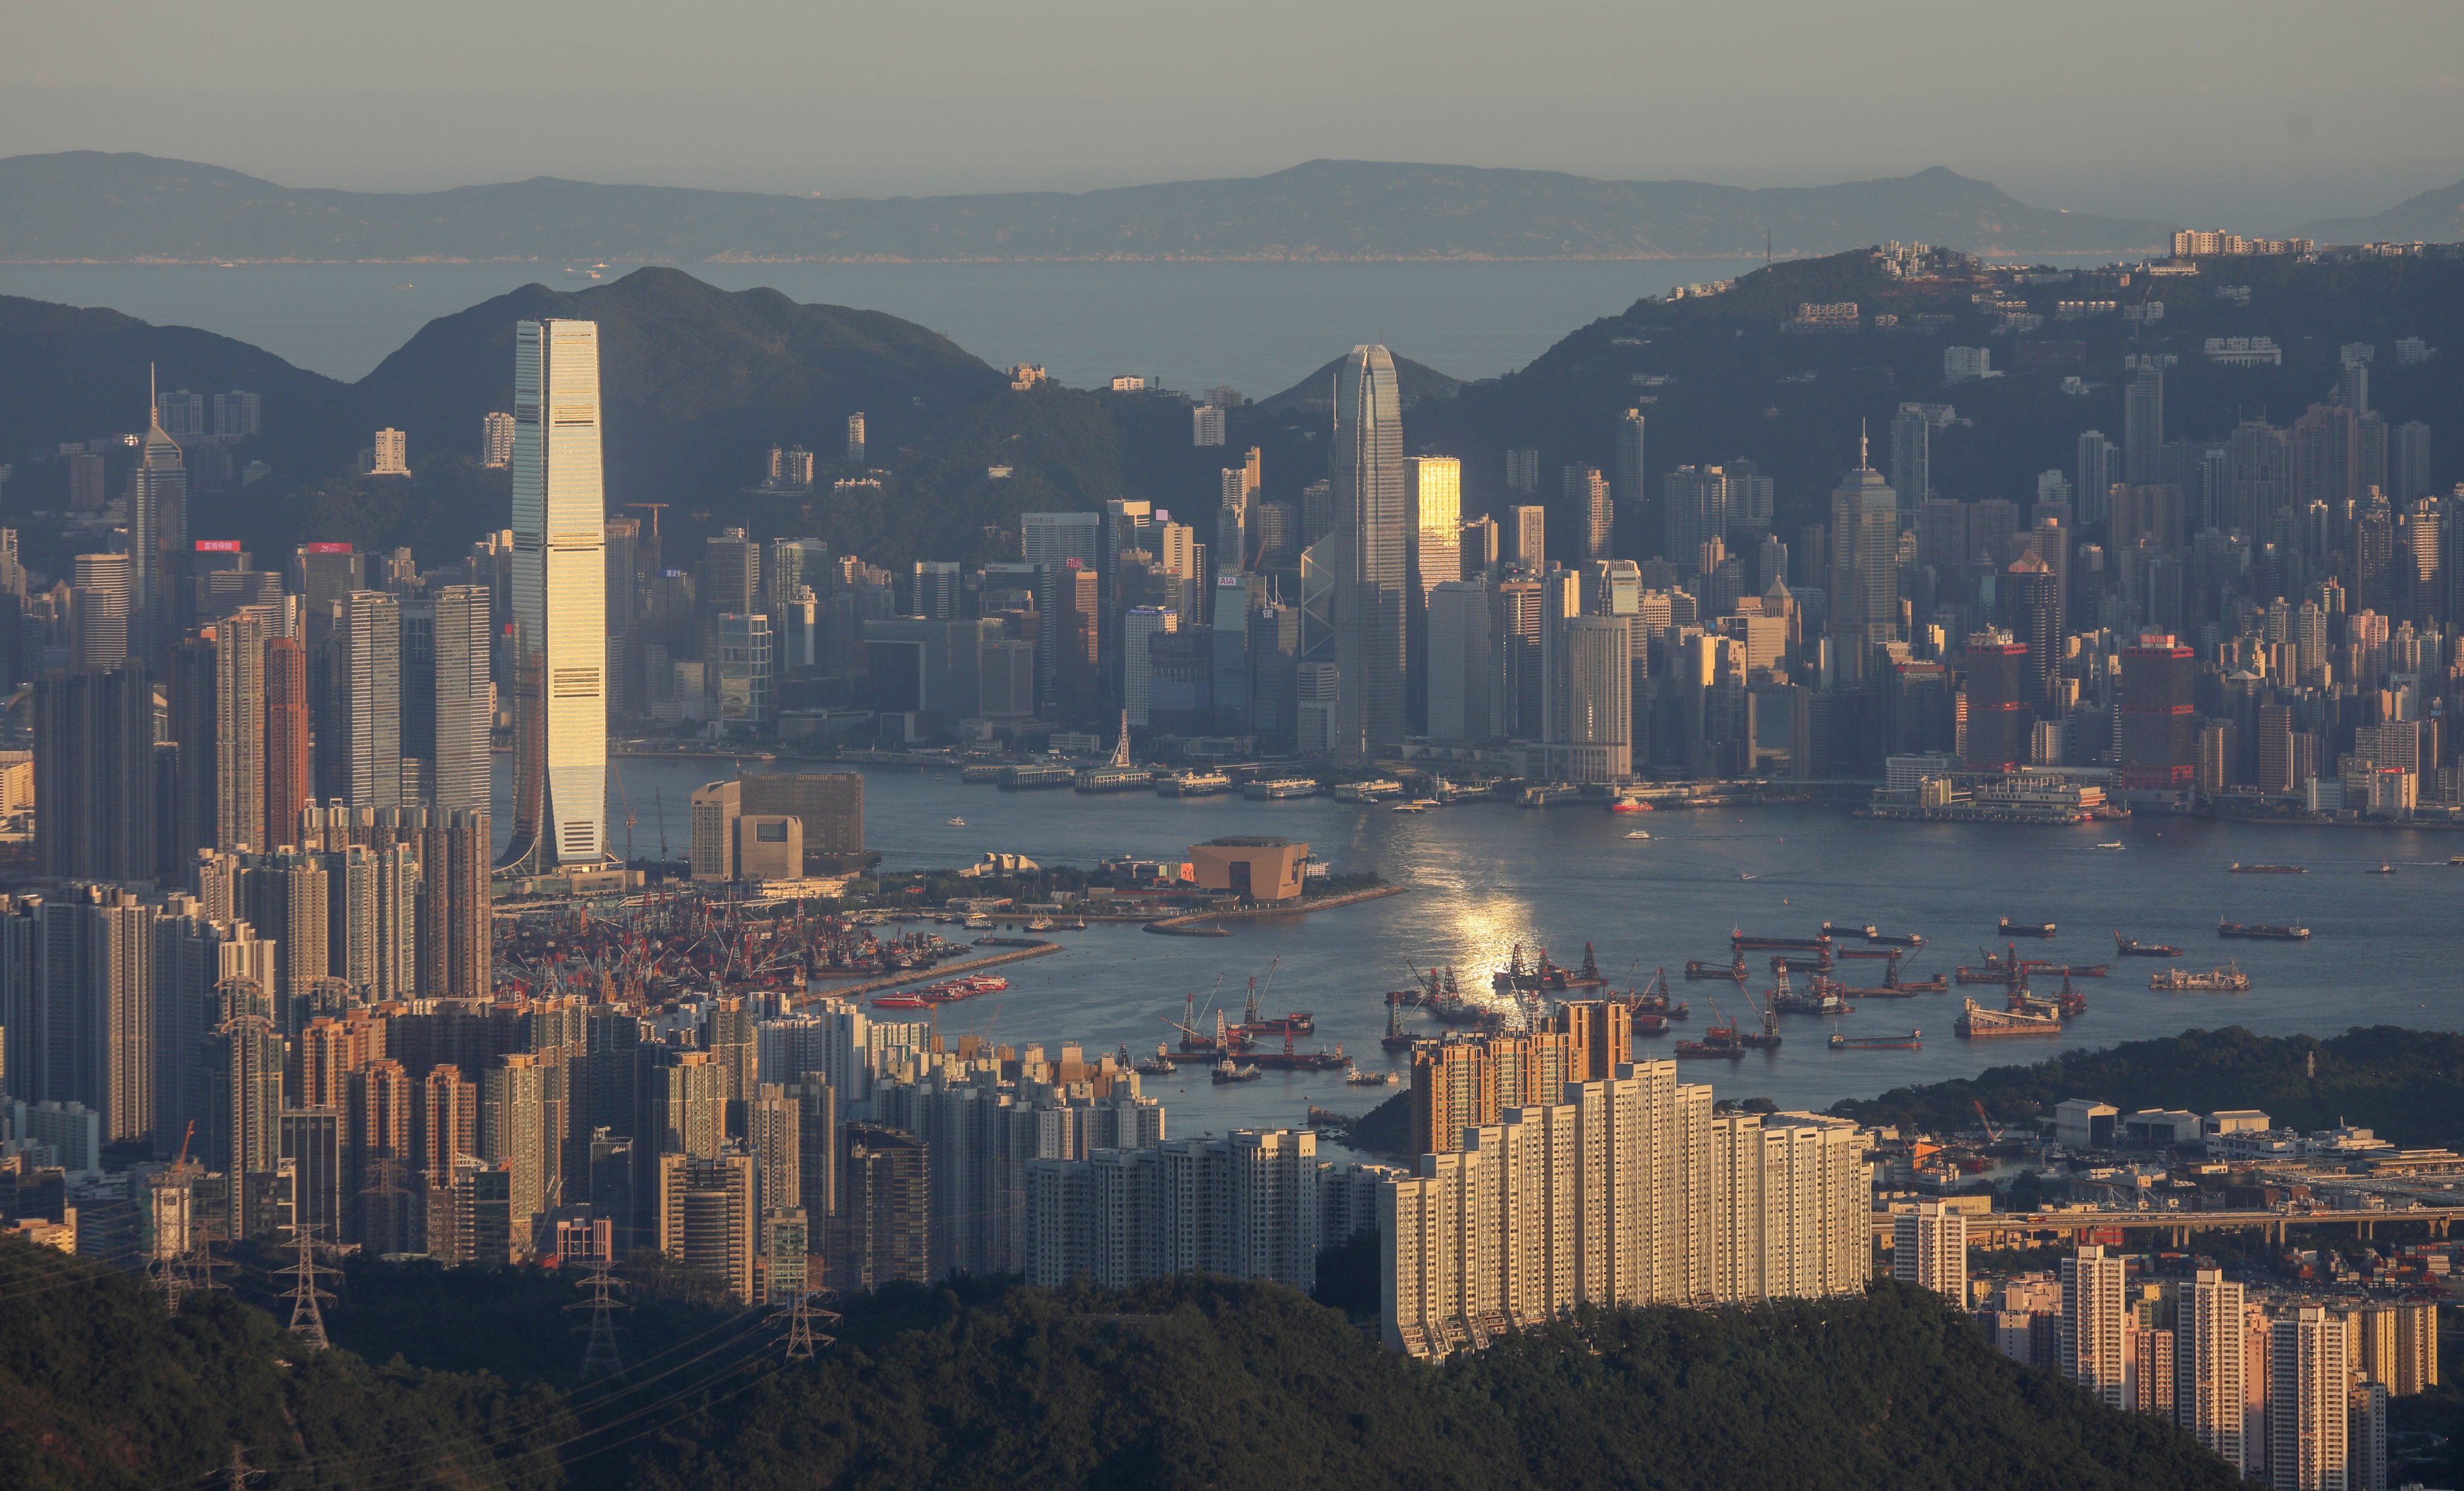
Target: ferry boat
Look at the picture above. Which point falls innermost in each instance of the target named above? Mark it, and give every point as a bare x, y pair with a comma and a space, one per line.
1912, 1041
1280, 787
2240, 869
1375, 789
2260, 932
2227, 978
1194, 784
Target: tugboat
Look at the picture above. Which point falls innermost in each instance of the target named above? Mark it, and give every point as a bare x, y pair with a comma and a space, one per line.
1225, 1071
1159, 1065
2130, 947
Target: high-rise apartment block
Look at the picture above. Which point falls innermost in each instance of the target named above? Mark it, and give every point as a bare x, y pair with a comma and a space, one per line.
1929, 1249
1627, 1190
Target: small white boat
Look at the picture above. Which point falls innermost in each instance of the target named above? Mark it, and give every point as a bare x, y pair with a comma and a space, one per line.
1409, 807
1640, 833
2115, 845
1742, 875
955, 822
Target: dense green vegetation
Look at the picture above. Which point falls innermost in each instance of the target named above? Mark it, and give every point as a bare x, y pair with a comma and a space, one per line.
2408, 1085
100, 1388
1194, 1383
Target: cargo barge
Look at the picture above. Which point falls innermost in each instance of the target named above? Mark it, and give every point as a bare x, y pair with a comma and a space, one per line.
1912, 1041
2131, 947
1976, 1023
2258, 932
2011, 929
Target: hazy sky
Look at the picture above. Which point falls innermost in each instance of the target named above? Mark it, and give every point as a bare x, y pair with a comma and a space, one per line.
2254, 113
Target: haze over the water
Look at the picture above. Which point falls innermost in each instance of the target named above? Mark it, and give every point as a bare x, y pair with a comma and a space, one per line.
2262, 115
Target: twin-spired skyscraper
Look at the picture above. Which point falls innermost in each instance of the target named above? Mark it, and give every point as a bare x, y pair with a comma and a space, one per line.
1373, 516
560, 599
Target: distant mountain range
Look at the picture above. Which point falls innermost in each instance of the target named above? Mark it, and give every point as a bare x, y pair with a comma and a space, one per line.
2432, 217
91, 207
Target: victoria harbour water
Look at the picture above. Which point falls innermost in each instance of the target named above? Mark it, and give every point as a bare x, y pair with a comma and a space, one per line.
1257, 327
1486, 877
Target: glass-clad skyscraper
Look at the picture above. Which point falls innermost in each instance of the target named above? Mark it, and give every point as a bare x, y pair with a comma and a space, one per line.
1372, 518
560, 599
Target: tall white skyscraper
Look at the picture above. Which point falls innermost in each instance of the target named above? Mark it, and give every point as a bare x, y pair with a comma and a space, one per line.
560, 597
2093, 1317
1371, 515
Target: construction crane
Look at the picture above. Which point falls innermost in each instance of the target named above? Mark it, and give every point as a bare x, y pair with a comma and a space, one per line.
1991, 1133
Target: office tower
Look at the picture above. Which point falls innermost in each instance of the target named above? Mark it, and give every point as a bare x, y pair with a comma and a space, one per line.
2001, 702
1750, 502
158, 533
496, 438
559, 614
93, 775
1437, 523
1696, 507
242, 1135
1515, 632
2028, 596
1529, 525
464, 700
240, 715
1587, 498
1929, 1250
2353, 381
1588, 710
1139, 625
1864, 591
1372, 519
2160, 725
1124, 527
744, 660
2308, 1401
2208, 1358
830, 805
1482, 551
855, 453
2093, 1317
1462, 672
2143, 426
937, 588
101, 597
1522, 471
1632, 495
706, 1217
884, 1220
2099, 466
2409, 461
1912, 453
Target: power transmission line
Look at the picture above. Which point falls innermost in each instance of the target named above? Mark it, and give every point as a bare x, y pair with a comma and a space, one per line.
307, 1320
800, 1335
600, 1357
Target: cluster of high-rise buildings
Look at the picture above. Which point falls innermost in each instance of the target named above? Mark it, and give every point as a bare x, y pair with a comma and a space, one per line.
2292, 1390
1557, 1173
